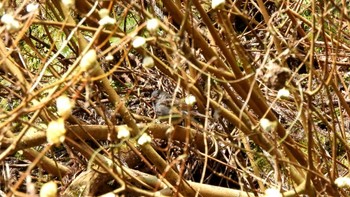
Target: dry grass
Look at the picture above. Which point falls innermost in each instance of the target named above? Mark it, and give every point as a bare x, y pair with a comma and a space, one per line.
234, 60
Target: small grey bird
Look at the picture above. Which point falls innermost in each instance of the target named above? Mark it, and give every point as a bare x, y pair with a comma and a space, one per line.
162, 103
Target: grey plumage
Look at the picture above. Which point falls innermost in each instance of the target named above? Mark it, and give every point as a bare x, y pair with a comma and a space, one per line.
164, 105
162, 102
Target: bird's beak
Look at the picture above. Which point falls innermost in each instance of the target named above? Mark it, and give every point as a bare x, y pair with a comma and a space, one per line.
153, 99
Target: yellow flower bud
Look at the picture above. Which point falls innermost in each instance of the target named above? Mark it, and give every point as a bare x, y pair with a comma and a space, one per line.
64, 106
89, 60
49, 189
56, 131
138, 42
144, 139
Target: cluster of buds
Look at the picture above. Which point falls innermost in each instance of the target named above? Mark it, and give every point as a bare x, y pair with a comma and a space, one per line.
56, 131
105, 18
11, 24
